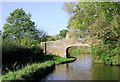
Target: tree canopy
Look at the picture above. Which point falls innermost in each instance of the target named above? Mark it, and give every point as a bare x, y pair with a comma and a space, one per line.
95, 19
63, 33
20, 25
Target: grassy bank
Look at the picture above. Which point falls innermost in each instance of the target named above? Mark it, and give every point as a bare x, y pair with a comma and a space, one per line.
16, 54
36, 70
26, 61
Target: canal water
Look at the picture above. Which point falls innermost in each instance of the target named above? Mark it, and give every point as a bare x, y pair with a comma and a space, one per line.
83, 69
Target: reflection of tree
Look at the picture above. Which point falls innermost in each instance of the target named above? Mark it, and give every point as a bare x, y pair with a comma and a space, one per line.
104, 72
119, 74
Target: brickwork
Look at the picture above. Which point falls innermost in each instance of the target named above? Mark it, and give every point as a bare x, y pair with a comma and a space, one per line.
59, 47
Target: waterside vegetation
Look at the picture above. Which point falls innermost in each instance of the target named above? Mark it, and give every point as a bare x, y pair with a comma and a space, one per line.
36, 70
97, 21
22, 55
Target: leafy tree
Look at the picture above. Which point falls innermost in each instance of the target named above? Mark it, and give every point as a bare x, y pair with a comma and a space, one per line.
63, 33
19, 25
58, 37
51, 38
69, 7
44, 38
0, 32
96, 19
99, 20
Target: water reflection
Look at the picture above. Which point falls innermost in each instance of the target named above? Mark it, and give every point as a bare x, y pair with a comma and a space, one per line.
104, 72
83, 69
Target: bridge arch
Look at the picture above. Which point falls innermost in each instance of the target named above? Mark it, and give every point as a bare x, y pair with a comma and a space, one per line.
75, 45
59, 47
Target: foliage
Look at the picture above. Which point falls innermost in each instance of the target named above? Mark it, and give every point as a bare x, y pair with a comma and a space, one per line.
13, 52
29, 43
21, 41
51, 38
58, 37
0, 77
0, 32
43, 38
63, 33
19, 26
27, 72
107, 53
74, 33
30, 71
97, 20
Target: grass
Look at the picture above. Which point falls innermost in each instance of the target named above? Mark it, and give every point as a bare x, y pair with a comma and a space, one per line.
31, 71
0, 77
15, 55
27, 72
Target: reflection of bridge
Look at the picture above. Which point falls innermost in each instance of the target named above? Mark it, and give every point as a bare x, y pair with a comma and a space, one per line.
60, 47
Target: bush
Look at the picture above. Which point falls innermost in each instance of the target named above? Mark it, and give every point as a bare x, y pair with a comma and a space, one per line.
29, 43
13, 52
51, 38
107, 53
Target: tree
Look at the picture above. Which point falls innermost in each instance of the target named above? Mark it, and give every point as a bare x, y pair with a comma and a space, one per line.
69, 7
63, 33
96, 19
99, 20
58, 37
44, 38
0, 32
51, 38
19, 25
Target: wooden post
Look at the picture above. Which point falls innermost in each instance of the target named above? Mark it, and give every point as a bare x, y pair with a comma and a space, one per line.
45, 49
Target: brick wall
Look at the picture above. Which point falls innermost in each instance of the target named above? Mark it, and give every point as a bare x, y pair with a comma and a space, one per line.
57, 47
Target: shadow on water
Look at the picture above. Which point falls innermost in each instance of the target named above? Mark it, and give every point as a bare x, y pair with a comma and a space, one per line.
38, 77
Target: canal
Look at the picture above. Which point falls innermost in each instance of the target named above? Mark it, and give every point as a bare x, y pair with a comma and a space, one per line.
83, 69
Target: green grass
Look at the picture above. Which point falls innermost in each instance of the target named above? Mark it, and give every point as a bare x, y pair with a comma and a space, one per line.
60, 60
23, 63
15, 55
0, 77
29, 71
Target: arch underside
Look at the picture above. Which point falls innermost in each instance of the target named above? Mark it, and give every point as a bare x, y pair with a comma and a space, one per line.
75, 45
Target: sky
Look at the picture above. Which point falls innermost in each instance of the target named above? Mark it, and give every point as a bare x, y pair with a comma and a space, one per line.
48, 16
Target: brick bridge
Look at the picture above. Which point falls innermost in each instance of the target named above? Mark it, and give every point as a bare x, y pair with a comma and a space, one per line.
60, 47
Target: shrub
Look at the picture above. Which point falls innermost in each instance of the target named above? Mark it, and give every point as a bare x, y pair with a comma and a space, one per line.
29, 43
13, 52
107, 53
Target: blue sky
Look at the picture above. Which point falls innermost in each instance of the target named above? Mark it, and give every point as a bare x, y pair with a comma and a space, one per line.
48, 16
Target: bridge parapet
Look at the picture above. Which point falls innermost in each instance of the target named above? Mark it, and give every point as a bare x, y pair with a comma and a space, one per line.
59, 47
